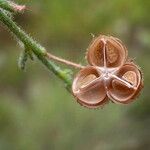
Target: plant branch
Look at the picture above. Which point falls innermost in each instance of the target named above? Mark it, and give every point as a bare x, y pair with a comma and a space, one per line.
36, 48
10, 6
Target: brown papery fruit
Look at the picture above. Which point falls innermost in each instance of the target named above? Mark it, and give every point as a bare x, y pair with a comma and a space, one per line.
88, 88
107, 49
109, 76
128, 85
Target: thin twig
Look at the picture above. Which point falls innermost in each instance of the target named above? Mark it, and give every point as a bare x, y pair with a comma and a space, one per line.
50, 56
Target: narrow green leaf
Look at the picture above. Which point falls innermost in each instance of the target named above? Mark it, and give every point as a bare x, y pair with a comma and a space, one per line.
22, 60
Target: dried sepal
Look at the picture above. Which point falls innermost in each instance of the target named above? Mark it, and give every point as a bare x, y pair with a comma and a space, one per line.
127, 86
88, 88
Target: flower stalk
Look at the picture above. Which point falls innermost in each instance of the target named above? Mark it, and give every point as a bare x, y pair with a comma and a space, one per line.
69, 63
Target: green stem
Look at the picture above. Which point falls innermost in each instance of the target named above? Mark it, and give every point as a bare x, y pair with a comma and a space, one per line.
37, 49
10, 6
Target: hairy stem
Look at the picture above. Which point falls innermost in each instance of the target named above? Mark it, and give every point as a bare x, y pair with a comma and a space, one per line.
36, 48
10, 6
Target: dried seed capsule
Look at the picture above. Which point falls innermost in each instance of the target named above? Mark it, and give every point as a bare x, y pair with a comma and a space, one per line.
88, 88
127, 86
106, 51
108, 76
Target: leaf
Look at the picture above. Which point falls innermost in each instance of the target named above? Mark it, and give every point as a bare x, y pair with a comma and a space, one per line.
22, 60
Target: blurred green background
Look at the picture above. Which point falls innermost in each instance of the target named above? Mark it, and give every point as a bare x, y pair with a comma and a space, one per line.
36, 111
